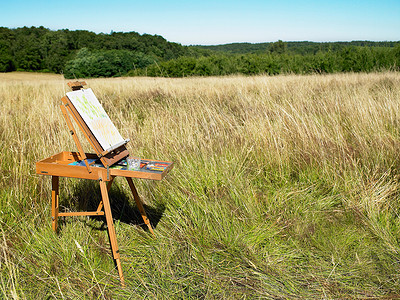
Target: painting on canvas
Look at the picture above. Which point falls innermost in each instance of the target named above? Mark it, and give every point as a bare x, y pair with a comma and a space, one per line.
95, 117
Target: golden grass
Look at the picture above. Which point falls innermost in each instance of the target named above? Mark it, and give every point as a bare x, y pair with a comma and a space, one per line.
30, 76
283, 185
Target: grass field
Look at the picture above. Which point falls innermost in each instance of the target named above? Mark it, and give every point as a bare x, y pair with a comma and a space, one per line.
284, 187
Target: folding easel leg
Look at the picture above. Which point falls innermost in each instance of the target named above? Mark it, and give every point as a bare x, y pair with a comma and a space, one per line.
54, 201
108, 189
139, 204
111, 229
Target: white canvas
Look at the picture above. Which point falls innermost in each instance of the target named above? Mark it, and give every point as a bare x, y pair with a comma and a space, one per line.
95, 117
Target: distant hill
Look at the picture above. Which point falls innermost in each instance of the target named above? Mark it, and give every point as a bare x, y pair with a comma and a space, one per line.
293, 47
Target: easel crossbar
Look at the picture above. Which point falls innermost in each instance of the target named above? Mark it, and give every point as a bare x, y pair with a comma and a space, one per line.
82, 213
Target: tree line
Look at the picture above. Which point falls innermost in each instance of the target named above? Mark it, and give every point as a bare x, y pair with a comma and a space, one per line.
82, 53
349, 59
302, 48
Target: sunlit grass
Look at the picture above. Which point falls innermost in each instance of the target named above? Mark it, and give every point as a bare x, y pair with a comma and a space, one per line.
284, 187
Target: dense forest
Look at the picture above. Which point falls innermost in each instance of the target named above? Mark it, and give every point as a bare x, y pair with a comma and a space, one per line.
62, 51
83, 53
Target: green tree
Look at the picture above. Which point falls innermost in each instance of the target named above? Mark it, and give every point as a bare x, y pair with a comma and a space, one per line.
278, 47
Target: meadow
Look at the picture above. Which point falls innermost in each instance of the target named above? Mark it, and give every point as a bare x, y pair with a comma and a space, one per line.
284, 187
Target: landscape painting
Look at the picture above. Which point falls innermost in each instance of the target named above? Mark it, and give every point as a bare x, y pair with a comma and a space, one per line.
94, 115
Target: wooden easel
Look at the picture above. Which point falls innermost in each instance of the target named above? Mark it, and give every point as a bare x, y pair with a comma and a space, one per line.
62, 164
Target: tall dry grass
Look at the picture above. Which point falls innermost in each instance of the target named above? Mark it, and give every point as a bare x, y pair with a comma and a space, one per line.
284, 187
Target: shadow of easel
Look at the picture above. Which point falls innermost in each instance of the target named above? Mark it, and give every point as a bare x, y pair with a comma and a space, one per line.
86, 197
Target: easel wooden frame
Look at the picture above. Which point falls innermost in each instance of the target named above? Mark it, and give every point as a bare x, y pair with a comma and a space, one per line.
59, 165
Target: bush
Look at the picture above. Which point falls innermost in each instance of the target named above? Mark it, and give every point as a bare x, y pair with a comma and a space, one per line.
108, 63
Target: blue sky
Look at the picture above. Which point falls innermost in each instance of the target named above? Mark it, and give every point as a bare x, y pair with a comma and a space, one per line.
216, 22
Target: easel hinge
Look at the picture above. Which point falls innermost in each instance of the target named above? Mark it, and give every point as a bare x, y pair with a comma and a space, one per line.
72, 132
108, 172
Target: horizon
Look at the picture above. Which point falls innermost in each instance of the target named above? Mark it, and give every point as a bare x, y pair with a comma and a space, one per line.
217, 22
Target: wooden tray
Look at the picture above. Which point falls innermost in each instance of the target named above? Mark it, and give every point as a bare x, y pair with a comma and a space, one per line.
62, 164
